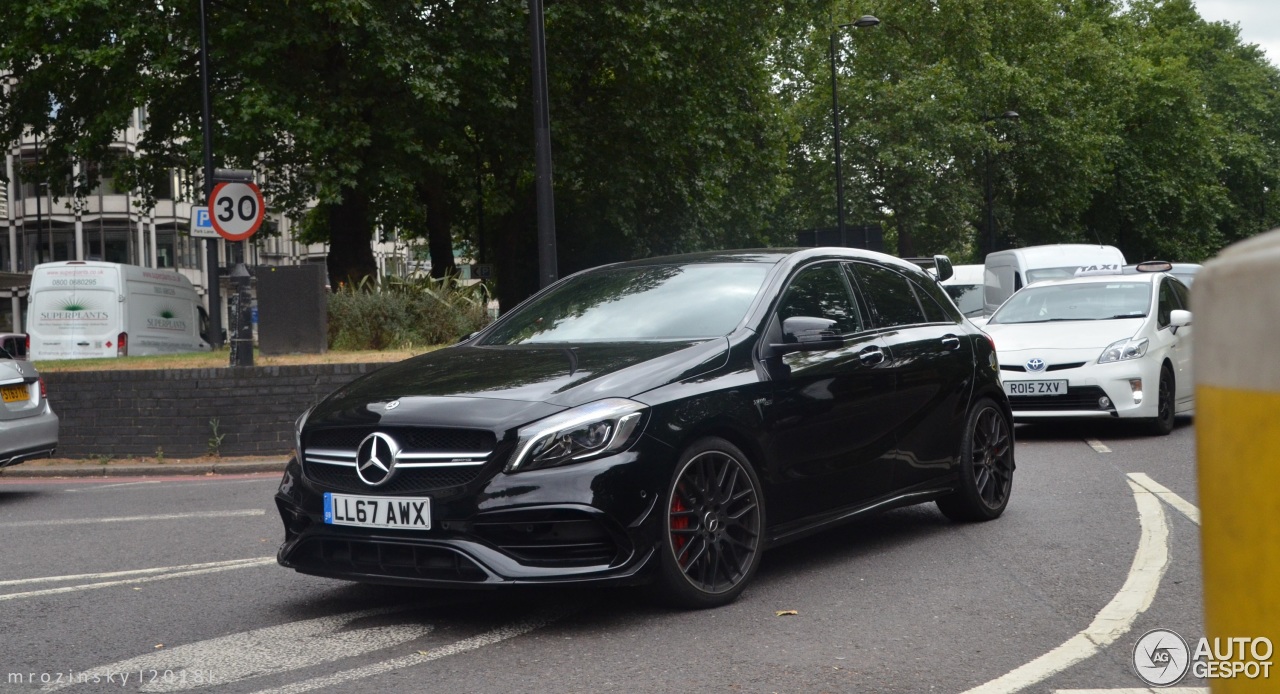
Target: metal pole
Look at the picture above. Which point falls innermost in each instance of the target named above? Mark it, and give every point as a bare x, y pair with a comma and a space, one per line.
835, 125
39, 215
547, 269
211, 245
990, 236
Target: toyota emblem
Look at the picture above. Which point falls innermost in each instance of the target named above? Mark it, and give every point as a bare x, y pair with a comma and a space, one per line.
376, 458
1036, 364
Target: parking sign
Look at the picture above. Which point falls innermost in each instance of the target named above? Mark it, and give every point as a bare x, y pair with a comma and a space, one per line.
201, 227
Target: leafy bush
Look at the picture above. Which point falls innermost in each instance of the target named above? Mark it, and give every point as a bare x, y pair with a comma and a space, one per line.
404, 313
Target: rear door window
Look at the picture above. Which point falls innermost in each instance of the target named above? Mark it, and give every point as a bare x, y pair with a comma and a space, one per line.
889, 294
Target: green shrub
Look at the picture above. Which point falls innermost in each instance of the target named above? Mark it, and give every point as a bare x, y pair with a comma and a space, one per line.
405, 313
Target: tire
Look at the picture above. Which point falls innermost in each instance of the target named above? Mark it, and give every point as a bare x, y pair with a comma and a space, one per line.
986, 466
712, 527
1162, 423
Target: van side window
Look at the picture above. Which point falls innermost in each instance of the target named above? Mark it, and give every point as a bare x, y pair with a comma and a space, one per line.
997, 284
889, 294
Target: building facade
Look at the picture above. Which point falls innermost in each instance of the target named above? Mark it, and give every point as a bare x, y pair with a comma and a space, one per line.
112, 224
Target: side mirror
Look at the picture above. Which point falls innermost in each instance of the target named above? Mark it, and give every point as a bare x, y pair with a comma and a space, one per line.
943, 264
1179, 318
807, 334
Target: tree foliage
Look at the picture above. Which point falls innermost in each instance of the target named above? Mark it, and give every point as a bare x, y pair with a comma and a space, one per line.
676, 124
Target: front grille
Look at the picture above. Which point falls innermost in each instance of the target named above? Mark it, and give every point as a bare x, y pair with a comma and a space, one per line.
411, 439
1076, 398
385, 559
406, 481
549, 538
329, 457
1052, 367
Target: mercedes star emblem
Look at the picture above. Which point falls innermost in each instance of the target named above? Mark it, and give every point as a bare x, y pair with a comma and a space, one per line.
376, 458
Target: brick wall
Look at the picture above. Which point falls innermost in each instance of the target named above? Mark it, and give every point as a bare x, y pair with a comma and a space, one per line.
134, 413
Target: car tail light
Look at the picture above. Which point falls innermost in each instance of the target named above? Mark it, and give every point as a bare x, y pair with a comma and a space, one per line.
122, 345
44, 392
28, 346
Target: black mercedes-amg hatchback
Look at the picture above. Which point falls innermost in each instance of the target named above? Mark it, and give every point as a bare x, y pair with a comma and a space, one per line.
664, 420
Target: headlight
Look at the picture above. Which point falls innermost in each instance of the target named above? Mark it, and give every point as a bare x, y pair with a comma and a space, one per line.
297, 433
1120, 350
578, 434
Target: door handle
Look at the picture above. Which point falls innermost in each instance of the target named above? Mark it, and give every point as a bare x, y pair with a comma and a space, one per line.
950, 342
871, 356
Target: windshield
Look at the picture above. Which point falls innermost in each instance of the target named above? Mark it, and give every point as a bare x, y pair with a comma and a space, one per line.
652, 302
1070, 302
968, 297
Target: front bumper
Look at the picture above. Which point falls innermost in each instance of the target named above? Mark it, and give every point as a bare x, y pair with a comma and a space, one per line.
592, 522
1087, 385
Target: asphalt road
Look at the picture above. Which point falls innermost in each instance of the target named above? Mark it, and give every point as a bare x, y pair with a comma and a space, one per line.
173, 581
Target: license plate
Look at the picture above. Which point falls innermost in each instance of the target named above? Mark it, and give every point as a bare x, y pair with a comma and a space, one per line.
14, 393
389, 512
1016, 388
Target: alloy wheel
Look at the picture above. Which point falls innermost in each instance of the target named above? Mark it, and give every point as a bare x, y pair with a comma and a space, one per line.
992, 457
713, 522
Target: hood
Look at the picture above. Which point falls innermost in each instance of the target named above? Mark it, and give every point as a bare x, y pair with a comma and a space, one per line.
560, 376
1062, 335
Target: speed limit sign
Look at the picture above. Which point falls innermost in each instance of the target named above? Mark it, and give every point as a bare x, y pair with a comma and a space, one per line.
236, 210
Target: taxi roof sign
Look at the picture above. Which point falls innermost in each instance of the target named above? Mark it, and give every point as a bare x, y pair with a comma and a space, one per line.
1098, 269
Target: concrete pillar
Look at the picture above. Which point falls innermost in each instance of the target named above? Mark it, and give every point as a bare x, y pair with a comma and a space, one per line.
1236, 304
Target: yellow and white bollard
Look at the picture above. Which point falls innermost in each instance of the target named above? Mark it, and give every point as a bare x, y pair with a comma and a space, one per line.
1236, 305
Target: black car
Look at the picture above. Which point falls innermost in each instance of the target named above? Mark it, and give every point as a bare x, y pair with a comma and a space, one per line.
659, 420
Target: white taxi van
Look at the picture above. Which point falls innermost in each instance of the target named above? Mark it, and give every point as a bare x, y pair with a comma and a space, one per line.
1100, 345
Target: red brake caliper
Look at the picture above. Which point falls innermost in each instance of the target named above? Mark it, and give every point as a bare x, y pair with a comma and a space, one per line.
678, 523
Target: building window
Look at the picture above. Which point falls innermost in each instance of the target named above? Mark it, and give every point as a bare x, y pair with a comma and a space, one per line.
166, 245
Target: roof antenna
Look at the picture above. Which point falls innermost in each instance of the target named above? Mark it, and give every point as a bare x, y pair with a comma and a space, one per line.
1096, 236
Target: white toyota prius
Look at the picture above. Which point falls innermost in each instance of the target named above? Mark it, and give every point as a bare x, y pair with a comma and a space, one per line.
1098, 346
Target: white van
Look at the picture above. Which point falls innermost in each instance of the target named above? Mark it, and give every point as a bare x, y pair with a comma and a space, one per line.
965, 288
1008, 271
80, 309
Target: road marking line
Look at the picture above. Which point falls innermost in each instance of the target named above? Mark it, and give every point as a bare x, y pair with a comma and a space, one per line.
1116, 618
128, 519
488, 638
1187, 508
1131, 690
119, 574
265, 651
1097, 445
112, 486
133, 581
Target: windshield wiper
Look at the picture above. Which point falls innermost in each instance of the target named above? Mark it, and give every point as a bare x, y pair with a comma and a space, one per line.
1125, 315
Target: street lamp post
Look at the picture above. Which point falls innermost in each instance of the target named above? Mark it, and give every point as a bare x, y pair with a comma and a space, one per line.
547, 267
211, 245
861, 23
989, 233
